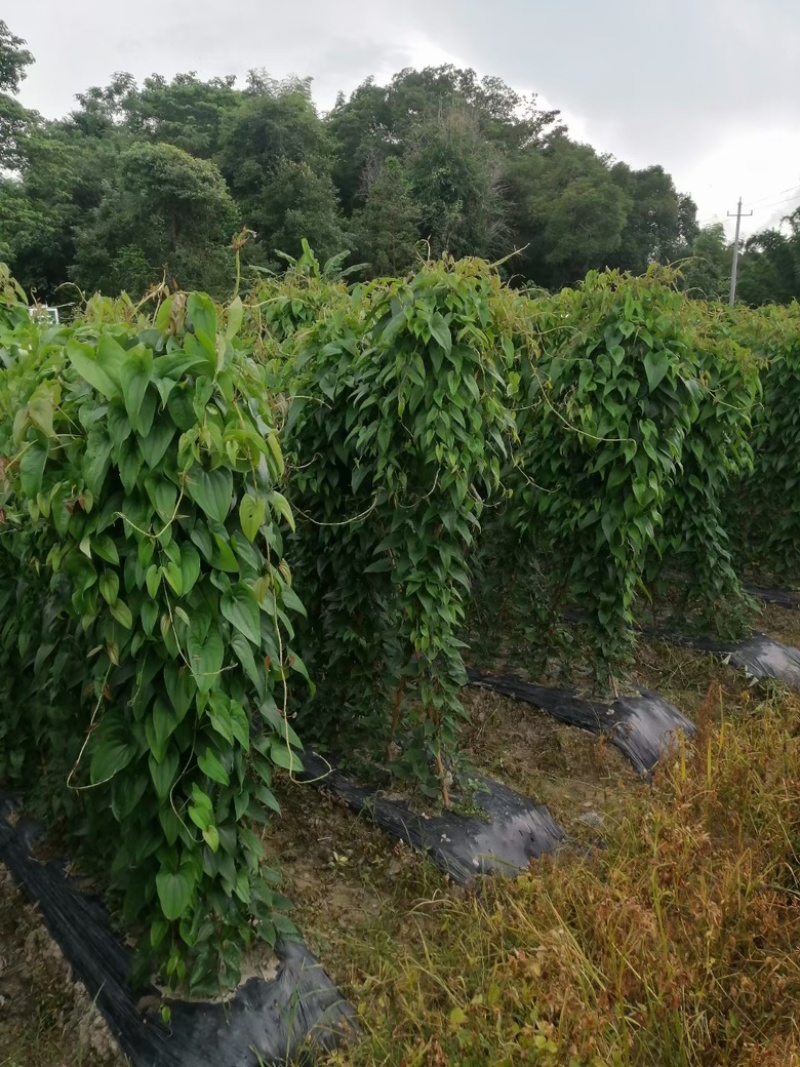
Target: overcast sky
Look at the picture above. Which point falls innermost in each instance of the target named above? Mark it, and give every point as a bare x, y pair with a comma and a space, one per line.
710, 89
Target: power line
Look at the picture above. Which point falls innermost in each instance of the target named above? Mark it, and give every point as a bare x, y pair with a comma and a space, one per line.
732, 296
769, 196
711, 220
788, 200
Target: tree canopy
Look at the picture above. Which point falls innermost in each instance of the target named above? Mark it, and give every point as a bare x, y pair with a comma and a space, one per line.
145, 182
14, 119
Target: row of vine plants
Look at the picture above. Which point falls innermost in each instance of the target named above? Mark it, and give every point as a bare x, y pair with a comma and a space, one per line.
147, 615
228, 532
621, 427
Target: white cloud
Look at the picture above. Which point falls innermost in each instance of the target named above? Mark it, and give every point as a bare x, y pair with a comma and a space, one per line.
762, 165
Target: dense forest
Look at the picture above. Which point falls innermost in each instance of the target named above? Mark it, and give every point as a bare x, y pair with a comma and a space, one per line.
141, 182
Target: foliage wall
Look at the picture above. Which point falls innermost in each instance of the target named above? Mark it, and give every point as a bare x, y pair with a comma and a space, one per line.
203, 504
147, 606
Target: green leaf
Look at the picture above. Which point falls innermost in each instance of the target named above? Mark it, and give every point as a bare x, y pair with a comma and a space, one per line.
105, 548
609, 524
126, 793
220, 716
149, 614
164, 314
175, 365
31, 470
241, 610
164, 773
201, 537
268, 798
240, 725
222, 557
122, 613
153, 580
135, 375
212, 491
656, 366
281, 505
119, 428
165, 721
251, 516
190, 567
163, 496
235, 316
206, 658
101, 374
96, 459
175, 892
242, 887
174, 576
154, 445
209, 764
211, 838
113, 753
201, 314
109, 587
440, 331
244, 653
40, 411
129, 463
284, 757
180, 686
292, 601
170, 824
201, 811
158, 931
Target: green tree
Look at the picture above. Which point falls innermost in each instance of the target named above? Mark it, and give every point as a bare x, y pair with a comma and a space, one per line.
387, 226
706, 274
661, 223
15, 120
505, 117
361, 133
438, 155
377, 122
277, 160
770, 265
166, 213
187, 112
103, 111
303, 204
567, 212
14, 60
62, 177
454, 174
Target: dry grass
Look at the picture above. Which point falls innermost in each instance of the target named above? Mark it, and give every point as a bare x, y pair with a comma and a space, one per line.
673, 945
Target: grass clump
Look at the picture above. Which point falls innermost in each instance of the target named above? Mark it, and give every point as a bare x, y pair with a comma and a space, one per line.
675, 944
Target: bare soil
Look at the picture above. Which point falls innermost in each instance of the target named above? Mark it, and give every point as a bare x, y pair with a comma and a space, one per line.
46, 1017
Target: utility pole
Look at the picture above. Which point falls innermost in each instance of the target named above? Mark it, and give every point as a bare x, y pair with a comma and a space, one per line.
735, 266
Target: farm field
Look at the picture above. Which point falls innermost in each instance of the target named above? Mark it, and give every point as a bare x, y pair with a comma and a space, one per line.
227, 533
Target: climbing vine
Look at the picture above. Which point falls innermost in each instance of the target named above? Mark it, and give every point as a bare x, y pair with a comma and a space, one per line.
398, 440
140, 506
693, 556
628, 419
764, 510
